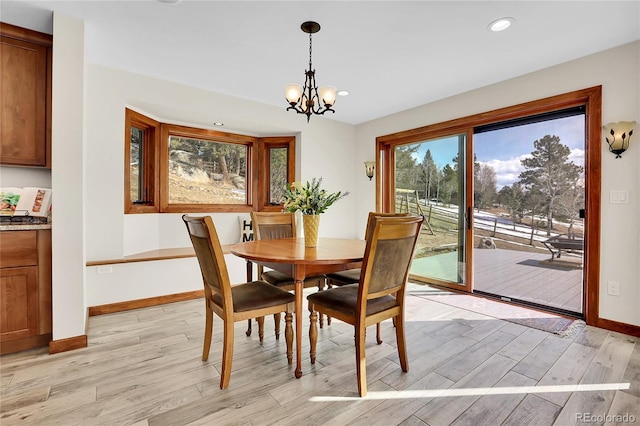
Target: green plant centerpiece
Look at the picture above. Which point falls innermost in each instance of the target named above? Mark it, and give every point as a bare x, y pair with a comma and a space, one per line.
312, 201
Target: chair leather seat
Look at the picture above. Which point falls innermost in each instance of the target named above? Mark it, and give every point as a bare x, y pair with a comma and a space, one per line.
278, 279
345, 299
255, 295
350, 276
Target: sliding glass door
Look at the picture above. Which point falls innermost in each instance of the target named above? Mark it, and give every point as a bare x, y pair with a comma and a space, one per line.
529, 191
511, 200
430, 181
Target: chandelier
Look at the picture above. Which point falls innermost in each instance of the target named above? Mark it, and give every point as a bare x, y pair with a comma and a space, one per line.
306, 100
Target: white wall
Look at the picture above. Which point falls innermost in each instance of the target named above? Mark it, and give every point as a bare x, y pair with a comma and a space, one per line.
618, 71
24, 176
67, 178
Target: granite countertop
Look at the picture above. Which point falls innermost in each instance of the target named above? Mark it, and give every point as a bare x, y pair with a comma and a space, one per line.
23, 226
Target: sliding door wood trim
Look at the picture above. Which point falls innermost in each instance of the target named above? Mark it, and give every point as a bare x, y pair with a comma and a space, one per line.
591, 99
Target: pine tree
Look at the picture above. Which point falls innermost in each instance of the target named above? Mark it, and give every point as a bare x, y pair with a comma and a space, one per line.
550, 173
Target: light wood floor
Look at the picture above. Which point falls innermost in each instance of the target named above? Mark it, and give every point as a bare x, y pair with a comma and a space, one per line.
143, 367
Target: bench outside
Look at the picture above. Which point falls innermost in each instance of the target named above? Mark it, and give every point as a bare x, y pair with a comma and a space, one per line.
556, 245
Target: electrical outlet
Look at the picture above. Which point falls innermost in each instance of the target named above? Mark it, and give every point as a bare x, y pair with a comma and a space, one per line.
613, 288
105, 269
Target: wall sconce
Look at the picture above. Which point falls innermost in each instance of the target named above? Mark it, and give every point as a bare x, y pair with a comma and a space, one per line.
618, 136
369, 167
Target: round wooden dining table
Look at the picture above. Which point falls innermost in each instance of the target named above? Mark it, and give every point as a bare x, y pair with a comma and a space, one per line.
291, 257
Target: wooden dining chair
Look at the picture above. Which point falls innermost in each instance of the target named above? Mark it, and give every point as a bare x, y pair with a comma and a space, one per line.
380, 292
232, 303
275, 225
352, 276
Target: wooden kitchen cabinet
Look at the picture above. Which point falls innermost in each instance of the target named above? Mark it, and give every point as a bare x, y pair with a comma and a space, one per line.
25, 97
25, 289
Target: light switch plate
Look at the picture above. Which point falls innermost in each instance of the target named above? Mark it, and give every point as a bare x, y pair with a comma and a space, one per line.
619, 196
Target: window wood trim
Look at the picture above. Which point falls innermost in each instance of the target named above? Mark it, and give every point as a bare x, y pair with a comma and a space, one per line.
591, 98
264, 159
149, 162
156, 164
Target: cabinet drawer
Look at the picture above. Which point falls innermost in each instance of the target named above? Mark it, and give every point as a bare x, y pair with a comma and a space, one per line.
18, 248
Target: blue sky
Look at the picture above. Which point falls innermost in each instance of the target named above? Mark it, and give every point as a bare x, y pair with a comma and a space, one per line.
504, 149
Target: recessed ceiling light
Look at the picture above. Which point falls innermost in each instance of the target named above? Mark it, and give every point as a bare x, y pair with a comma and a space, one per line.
169, 1
217, 123
343, 93
501, 24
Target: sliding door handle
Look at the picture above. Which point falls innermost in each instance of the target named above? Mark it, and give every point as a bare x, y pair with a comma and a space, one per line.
468, 218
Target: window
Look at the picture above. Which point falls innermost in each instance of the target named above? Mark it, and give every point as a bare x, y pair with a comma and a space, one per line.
205, 170
187, 169
277, 155
141, 141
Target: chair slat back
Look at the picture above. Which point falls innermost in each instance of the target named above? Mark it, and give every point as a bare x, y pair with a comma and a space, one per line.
371, 222
388, 255
209, 253
273, 225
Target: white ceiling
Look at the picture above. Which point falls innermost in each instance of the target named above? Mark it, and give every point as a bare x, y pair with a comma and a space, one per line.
390, 55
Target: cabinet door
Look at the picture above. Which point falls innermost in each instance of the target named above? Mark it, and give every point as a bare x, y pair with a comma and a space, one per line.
18, 303
23, 101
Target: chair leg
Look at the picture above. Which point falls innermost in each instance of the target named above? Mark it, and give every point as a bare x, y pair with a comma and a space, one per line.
329, 285
288, 335
378, 333
361, 362
248, 332
260, 321
276, 322
227, 354
320, 288
313, 333
208, 331
402, 345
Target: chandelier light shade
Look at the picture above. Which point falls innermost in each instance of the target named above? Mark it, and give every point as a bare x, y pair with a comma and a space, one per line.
618, 135
308, 99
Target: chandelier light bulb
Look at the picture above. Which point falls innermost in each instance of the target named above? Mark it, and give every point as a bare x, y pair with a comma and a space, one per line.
293, 93
328, 95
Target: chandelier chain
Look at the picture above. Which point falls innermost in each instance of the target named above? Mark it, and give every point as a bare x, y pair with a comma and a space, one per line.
309, 51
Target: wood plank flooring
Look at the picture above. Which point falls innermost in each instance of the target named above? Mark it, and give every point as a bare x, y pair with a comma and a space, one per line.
143, 367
